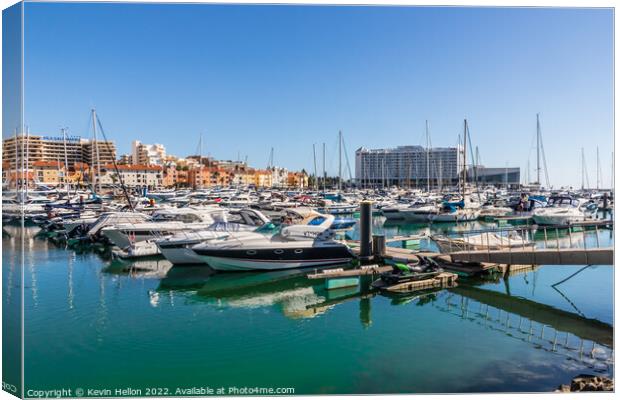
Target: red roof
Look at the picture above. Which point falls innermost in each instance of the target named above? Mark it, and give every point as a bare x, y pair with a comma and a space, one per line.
133, 167
80, 165
19, 175
54, 164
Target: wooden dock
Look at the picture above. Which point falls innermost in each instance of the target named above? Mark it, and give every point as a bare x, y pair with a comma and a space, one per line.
465, 268
373, 269
507, 261
529, 223
552, 256
511, 218
395, 253
405, 239
443, 280
403, 255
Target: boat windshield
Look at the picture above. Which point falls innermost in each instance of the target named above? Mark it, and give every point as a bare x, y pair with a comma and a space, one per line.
563, 202
316, 221
268, 228
187, 218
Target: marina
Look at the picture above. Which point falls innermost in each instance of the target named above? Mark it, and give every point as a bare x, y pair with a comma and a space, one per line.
439, 267
124, 264
306, 199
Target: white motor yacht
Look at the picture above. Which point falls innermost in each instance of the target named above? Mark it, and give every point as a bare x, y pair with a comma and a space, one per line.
332, 207
177, 248
164, 222
310, 243
107, 219
412, 213
563, 210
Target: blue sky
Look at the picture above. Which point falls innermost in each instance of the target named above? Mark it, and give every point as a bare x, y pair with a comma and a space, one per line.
255, 77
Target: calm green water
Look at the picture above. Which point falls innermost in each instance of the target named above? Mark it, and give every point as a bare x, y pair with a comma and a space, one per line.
90, 324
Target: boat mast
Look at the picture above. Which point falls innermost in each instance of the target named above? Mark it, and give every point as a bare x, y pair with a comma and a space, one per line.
316, 182
64, 140
27, 159
598, 170
118, 174
583, 168
428, 161
440, 177
382, 175
57, 165
95, 150
339, 161
527, 172
464, 156
270, 163
324, 173
17, 180
537, 149
409, 174
200, 161
476, 166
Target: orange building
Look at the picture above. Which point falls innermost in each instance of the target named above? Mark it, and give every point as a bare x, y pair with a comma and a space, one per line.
298, 179
79, 173
171, 176
263, 178
210, 176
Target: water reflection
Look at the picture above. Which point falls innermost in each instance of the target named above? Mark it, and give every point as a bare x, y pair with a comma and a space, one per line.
588, 342
155, 267
545, 315
290, 291
163, 289
419, 299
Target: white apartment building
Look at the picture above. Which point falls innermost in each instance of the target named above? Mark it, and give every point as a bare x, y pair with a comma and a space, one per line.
408, 166
279, 176
132, 175
147, 154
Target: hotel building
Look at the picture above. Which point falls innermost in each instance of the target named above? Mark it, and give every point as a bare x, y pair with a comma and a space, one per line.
34, 148
408, 166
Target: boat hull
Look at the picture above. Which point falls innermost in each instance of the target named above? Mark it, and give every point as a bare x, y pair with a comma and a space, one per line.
181, 255
408, 215
229, 264
556, 219
273, 259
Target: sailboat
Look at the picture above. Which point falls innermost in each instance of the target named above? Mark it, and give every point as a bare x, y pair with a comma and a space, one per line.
466, 209
337, 204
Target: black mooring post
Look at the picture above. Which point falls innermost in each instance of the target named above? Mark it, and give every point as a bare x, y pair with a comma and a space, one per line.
378, 246
365, 230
